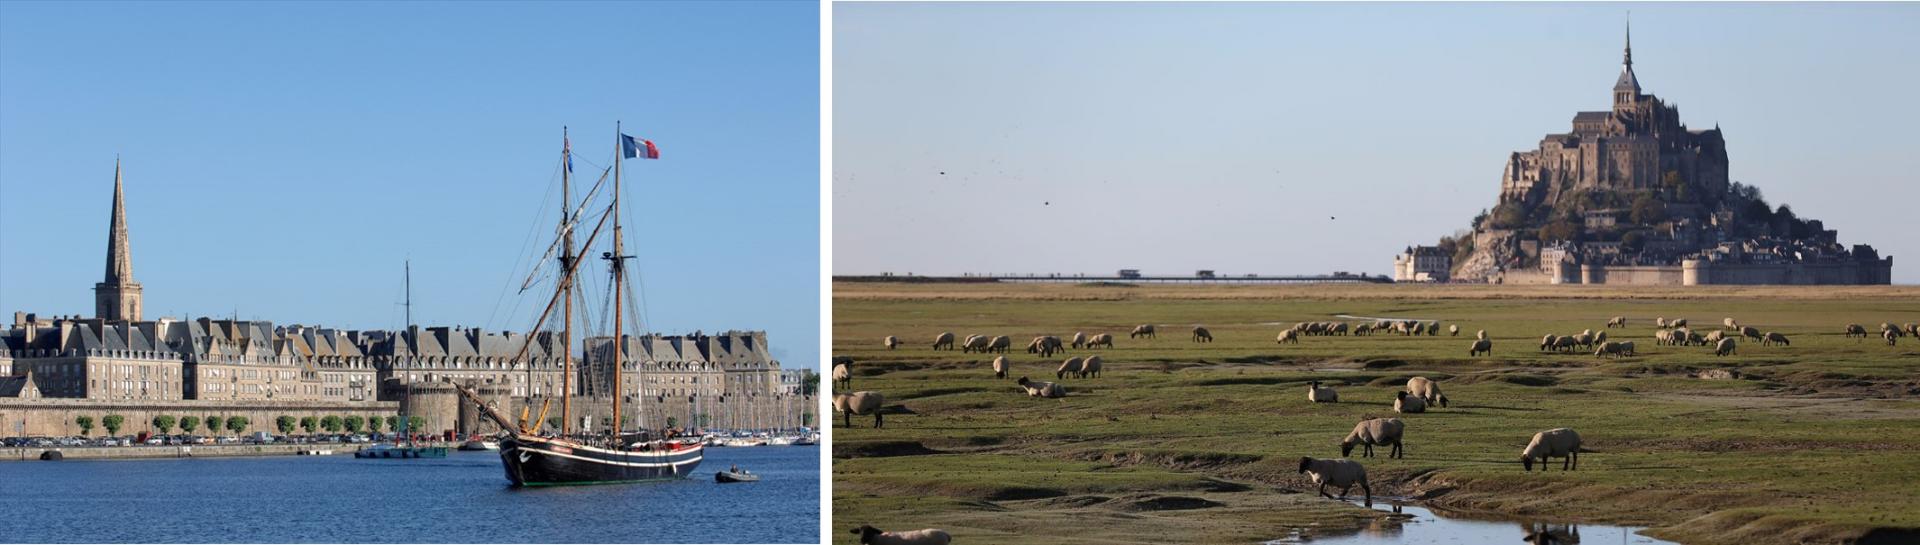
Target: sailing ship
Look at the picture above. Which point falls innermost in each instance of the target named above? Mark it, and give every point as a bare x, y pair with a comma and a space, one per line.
533, 456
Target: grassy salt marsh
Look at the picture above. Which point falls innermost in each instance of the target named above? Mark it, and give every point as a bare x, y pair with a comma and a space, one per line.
1197, 443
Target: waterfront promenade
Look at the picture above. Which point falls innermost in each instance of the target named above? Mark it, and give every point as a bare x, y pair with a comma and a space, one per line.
170, 451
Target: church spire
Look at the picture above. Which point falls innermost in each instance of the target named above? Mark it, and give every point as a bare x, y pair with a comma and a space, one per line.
1626, 90
117, 297
1629, 59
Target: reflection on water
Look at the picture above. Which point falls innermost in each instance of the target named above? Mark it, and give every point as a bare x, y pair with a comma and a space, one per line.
1415, 525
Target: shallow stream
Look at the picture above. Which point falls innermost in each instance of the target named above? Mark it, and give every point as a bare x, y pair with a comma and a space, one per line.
1416, 525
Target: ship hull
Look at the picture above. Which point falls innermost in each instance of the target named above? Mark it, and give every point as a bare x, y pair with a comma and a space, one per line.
538, 461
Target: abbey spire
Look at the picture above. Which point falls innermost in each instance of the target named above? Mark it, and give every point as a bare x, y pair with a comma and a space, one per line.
1626, 90
117, 297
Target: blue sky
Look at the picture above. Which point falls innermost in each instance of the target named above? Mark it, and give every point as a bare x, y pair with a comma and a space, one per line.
1309, 138
284, 159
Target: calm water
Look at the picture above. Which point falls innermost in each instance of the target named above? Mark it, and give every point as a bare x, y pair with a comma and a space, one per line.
1424, 527
464, 498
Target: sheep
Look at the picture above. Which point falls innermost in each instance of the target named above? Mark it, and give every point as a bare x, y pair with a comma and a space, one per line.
843, 373
1560, 442
1142, 330
1100, 340
1090, 367
1713, 337
1660, 323
1337, 328
1913, 329
1433, 329
1548, 342
1585, 340
1731, 325
944, 339
1694, 339
1481, 346
1000, 365
975, 343
1045, 345
1453, 330
1481, 334
1427, 390
1725, 347
890, 342
1073, 366
1565, 344
1854, 330
1403, 403
1317, 394
1288, 336
1677, 323
1049, 390
1375, 431
1362, 328
1775, 338
1341, 473
860, 403
1079, 340
873, 536
1601, 337
1890, 336
1751, 333
1000, 344
1614, 349
1663, 337
1884, 327
1626, 347
1617, 321
1201, 335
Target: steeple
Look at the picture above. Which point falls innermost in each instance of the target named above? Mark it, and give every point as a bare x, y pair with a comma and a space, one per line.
1626, 90
117, 297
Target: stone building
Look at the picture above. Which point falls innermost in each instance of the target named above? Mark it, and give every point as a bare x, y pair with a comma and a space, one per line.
1422, 264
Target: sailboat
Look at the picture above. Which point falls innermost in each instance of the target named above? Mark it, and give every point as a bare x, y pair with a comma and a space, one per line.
408, 450
534, 458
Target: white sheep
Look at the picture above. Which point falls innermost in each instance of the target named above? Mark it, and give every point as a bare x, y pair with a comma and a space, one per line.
1855, 330
1481, 346
975, 343
1288, 336
1000, 365
1453, 330
860, 403
945, 339
1143, 330
1677, 323
1608, 349
1557, 442
1000, 344
1201, 335
1481, 334
1100, 340
1403, 403
1600, 337
891, 342
1049, 390
1565, 344
1341, 473
1776, 338
1427, 390
1073, 366
1617, 321
1713, 337
1751, 333
1317, 394
1731, 325
1375, 431
1663, 337
1724, 348
873, 536
1079, 340
1891, 336
843, 373
1548, 342
1091, 367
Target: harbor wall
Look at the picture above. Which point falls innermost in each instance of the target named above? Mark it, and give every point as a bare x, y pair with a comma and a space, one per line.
54, 417
155, 452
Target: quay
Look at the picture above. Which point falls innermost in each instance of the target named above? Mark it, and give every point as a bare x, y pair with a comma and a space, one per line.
170, 451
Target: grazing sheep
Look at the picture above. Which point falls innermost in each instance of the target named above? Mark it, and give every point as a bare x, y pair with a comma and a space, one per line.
1090, 367
1884, 327
944, 340
1045, 345
1403, 403
1453, 330
1617, 321
1775, 338
975, 343
1626, 347
1855, 330
1073, 366
1725, 347
1614, 349
1677, 323
1427, 390
1557, 442
843, 373
1565, 344
873, 536
1049, 390
1751, 333
1317, 394
860, 403
1913, 329
1663, 337
1000, 365
1341, 473
891, 342
1201, 335
1660, 323
1000, 344
1600, 337
1288, 336
1142, 330
1362, 328
1548, 342
1694, 339
1100, 340
1713, 337
1731, 325
1375, 431
1585, 340
1433, 329
1338, 328
1079, 340
1481, 334
1890, 336
1481, 346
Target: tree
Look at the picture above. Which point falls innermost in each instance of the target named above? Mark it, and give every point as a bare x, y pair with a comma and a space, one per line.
806, 419
1648, 211
673, 422
393, 423
309, 423
189, 423
809, 383
213, 425
112, 423
701, 420
237, 424
285, 423
164, 423
86, 424
353, 423
553, 422
373, 425
330, 423
1633, 242
415, 423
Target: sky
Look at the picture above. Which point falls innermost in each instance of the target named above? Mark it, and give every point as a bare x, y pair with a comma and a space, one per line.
1312, 138
283, 161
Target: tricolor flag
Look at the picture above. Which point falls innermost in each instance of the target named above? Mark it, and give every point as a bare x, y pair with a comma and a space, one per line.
638, 147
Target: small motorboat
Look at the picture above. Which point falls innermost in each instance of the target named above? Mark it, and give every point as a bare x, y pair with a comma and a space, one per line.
806, 440
734, 477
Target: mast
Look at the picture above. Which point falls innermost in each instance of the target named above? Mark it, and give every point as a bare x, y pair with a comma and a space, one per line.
566, 286
409, 283
619, 335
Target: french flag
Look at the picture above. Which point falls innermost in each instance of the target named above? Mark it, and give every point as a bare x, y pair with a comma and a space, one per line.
639, 147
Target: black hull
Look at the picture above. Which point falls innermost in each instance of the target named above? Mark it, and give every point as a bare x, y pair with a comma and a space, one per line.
537, 461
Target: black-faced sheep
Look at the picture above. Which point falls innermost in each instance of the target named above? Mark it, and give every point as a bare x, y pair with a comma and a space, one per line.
843, 373
1341, 473
1049, 390
1481, 346
1201, 335
891, 342
1855, 330
1079, 340
1731, 325
1073, 366
1617, 321
1100, 340
943, 341
1557, 442
1751, 332
1725, 347
1375, 431
1091, 367
1453, 330
1403, 403
1427, 390
1000, 344
1548, 342
1317, 394
975, 343
1776, 338
873, 536
860, 403
1000, 365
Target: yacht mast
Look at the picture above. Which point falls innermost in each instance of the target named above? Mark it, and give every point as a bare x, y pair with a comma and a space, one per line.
566, 285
